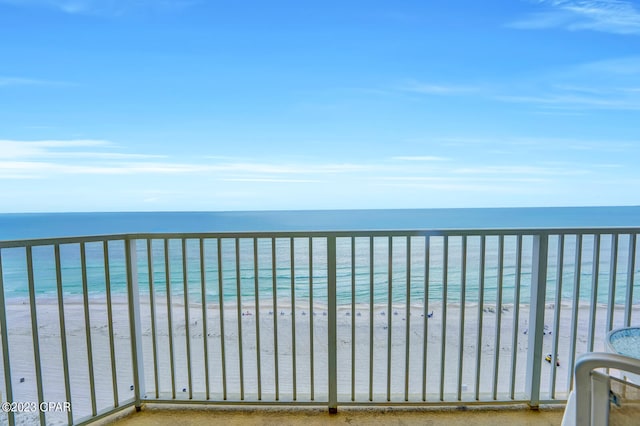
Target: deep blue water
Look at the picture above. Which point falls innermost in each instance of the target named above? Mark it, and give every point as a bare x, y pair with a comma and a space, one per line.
40, 225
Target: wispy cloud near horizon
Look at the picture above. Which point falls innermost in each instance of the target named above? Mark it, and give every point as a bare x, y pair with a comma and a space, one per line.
47, 158
611, 16
101, 163
419, 158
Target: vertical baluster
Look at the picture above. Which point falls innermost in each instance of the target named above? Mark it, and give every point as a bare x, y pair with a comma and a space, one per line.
293, 314
63, 333
496, 354
463, 292
35, 337
112, 352
239, 314
480, 314
87, 325
332, 326
5, 348
167, 271
445, 276
223, 357
311, 313
152, 305
574, 309
135, 325
631, 268
613, 270
187, 319
516, 314
408, 321
371, 301
203, 292
275, 314
595, 272
256, 282
556, 314
389, 315
353, 319
425, 315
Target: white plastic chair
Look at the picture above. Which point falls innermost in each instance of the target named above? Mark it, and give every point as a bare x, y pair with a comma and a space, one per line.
589, 402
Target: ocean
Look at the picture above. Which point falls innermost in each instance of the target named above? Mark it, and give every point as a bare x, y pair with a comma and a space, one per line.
15, 226
238, 278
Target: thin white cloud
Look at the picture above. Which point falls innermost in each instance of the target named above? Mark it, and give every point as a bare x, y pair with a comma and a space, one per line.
103, 155
47, 169
602, 85
542, 20
609, 166
437, 179
575, 101
275, 168
546, 144
560, 113
419, 158
48, 149
47, 158
42, 148
70, 143
604, 146
271, 180
611, 16
437, 89
610, 84
458, 187
615, 67
225, 172
20, 81
519, 170
581, 89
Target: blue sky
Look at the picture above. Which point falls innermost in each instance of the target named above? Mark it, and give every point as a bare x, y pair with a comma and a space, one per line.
119, 105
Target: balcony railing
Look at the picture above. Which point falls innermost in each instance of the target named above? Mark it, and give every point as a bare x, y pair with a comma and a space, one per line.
453, 317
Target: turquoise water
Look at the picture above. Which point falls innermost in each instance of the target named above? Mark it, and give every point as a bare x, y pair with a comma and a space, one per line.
49, 225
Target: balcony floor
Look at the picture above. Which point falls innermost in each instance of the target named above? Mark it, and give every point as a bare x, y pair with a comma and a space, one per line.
172, 416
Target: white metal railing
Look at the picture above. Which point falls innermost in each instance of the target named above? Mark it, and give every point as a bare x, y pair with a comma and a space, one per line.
451, 317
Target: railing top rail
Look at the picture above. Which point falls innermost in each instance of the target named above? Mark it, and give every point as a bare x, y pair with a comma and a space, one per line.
306, 234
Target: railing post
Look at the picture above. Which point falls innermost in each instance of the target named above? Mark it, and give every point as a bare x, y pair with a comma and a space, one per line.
536, 317
134, 322
332, 333
5, 350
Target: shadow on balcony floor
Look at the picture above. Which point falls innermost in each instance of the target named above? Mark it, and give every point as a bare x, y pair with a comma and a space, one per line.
355, 416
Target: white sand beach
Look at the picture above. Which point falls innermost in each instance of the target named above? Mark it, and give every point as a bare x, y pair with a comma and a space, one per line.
23, 367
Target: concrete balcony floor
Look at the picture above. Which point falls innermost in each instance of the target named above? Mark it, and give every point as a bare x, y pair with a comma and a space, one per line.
278, 416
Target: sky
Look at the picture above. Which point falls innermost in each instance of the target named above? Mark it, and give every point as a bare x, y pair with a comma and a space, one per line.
219, 105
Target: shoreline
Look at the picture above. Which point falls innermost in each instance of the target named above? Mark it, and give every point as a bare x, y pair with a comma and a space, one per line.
284, 301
